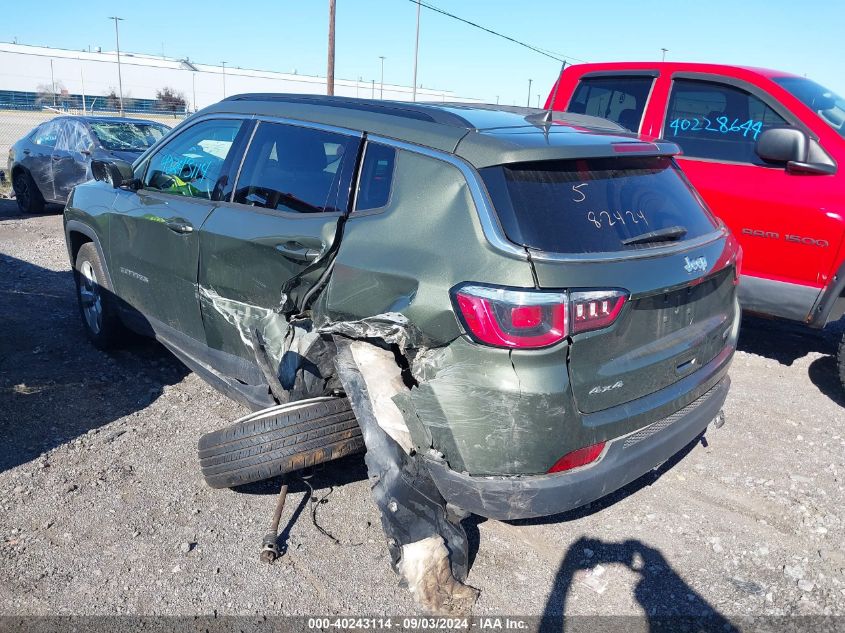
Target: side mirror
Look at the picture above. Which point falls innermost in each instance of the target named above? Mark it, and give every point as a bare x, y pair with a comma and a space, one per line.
790, 147
117, 173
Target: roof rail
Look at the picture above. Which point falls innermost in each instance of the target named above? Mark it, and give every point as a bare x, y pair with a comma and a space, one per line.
420, 112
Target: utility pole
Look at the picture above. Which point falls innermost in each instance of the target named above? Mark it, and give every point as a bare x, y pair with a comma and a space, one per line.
497, 99
665, 50
194, 88
528, 103
381, 90
82, 76
224, 78
416, 52
52, 82
330, 71
117, 46
538, 101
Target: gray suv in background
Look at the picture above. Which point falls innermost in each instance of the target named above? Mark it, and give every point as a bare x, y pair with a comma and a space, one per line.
515, 312
56, 156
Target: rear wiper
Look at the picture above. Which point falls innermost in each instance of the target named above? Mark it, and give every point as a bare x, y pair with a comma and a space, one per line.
670, 233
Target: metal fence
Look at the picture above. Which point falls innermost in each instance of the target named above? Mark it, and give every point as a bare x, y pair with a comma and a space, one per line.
18, 122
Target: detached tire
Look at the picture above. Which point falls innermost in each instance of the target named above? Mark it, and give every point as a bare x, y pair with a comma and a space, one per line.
96, 299
279, 440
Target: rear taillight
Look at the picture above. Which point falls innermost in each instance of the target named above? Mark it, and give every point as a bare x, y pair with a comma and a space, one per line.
737, 265
512, 318
579, 457
528, 319
595, 309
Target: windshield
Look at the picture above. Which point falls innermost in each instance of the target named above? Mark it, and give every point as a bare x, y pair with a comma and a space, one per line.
596, 205
828, 105
124, 136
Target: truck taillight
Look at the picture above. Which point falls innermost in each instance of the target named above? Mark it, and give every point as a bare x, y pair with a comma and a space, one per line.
521, 319
526, 319
595, 309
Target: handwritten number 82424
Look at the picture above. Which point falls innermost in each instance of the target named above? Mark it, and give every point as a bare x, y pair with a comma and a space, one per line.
611, 218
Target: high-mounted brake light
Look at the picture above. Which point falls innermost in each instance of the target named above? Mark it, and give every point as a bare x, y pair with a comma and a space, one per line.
526, 319
595, 309
579, 457
513, 318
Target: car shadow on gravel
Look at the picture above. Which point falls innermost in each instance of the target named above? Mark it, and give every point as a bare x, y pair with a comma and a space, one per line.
9, 210
785, 341
667, 601
54, 385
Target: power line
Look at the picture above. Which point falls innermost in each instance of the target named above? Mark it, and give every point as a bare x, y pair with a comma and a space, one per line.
541, 51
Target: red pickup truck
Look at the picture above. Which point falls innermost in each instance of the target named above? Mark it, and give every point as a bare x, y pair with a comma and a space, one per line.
763, 148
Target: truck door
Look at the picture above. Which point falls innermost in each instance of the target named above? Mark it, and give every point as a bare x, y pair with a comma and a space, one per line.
621, 98
779, 217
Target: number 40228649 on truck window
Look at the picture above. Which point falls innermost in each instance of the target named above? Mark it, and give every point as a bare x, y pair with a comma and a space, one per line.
763, 148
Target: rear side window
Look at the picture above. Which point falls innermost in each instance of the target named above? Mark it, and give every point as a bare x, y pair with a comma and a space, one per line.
596, 205
46, 134
620, 99
297, 169
717, 121
376, 177
192, 162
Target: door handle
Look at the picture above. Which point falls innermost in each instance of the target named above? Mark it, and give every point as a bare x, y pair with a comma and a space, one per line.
298, 251
179, 227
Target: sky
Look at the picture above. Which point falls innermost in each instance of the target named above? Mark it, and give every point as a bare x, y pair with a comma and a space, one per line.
286, 35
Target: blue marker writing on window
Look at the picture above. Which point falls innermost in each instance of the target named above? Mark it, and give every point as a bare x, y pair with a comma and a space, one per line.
719, 125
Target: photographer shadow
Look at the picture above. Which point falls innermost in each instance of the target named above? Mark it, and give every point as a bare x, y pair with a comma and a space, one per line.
667, 601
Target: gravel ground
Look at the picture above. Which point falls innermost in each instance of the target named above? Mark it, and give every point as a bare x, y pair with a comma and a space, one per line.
103, 509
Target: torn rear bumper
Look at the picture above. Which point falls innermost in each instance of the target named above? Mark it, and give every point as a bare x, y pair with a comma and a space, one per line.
625, 459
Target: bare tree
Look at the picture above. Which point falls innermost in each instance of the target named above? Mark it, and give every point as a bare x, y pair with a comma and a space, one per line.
170, 99
48, 94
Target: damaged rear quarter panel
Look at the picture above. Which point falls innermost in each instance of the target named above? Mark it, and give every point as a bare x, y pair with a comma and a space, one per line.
472, 404
407, 256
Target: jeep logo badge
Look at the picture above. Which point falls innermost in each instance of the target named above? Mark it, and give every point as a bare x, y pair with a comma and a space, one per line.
699, 264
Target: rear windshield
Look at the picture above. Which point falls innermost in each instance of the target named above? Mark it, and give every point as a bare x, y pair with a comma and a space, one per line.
596, 205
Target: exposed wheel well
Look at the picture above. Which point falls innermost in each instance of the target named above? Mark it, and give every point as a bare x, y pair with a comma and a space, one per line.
76, 239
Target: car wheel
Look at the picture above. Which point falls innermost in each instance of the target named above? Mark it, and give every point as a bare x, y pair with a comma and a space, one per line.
279, 440
96, 303
27, 194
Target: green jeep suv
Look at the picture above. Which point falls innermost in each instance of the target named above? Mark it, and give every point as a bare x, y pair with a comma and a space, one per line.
515, 311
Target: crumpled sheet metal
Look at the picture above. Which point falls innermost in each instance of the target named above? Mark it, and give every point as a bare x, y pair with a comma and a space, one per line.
303, 358
413, 512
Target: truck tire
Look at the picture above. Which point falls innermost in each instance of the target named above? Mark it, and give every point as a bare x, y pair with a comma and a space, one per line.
279, 440
840, 360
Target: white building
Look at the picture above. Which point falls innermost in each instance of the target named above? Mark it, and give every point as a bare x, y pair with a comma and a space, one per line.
28, 69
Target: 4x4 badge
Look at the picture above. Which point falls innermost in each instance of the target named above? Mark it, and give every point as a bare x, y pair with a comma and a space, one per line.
697, 264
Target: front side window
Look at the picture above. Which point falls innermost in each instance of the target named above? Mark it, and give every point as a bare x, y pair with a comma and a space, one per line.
127, 136
596, 205
47, 134
73, 137
297, 169
192, 163
620, 99
828, 105
717, 121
